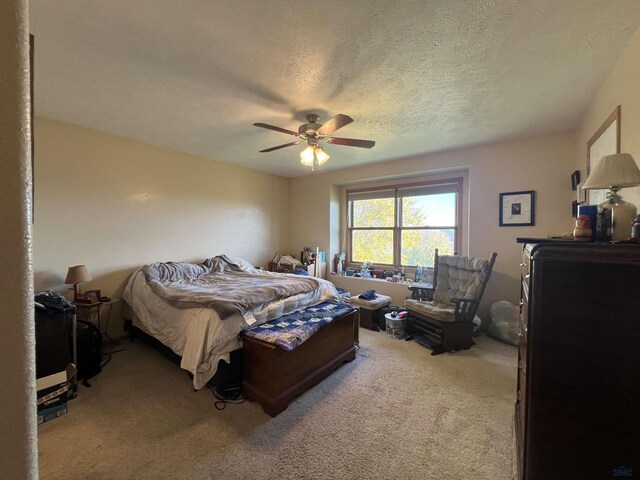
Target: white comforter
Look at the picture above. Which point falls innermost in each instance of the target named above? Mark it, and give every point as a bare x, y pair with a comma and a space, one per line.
197, 334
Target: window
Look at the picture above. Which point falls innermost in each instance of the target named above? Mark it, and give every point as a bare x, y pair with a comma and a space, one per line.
403, 225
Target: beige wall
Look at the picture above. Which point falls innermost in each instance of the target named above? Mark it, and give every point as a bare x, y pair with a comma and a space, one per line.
620, 88
18, 457
543, 164
115, 204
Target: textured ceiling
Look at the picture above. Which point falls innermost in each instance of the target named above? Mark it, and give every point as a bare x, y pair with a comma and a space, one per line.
417, 76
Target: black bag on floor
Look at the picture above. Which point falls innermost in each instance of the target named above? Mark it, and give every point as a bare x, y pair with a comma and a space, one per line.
89, 345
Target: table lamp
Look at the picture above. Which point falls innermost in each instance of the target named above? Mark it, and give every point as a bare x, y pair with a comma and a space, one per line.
614, 172
75, 275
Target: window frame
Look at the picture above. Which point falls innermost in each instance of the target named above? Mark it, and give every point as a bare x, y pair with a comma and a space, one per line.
397, 216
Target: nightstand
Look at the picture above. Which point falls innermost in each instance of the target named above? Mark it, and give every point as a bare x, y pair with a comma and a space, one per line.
97, 310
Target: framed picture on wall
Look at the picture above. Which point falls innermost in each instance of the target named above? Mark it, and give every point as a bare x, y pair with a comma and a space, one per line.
605, 141
517, 209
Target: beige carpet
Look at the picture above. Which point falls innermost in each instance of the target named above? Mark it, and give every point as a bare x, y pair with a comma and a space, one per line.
394, 412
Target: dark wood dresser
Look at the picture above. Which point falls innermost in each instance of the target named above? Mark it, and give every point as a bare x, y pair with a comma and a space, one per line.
577, 412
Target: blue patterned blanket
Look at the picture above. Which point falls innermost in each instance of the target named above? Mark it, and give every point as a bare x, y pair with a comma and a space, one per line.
291, 330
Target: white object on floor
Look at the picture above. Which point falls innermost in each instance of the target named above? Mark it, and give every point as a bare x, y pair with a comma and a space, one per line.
504, 322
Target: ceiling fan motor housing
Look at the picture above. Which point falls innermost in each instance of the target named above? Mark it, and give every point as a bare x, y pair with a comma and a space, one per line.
309, 129
310, 132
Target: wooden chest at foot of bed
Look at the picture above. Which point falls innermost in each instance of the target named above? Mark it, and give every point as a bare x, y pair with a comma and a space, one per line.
274, 376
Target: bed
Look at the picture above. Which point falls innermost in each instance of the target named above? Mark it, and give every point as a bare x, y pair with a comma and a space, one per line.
201, 335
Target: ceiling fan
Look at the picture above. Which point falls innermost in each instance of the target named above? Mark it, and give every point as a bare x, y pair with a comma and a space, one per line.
314, 133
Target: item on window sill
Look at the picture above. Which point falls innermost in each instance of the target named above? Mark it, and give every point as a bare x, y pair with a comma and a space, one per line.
418, 274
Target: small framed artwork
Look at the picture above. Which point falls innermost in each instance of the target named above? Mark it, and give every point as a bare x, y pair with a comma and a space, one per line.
517, 209
93, 293
575, 180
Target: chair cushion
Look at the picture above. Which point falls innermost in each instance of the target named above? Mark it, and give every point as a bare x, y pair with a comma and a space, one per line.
458, 277
435, 310
379, 302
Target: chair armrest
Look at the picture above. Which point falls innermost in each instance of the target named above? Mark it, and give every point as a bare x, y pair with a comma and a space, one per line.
463, 309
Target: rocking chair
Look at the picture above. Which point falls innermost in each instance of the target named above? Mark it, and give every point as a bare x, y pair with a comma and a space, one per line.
446, 323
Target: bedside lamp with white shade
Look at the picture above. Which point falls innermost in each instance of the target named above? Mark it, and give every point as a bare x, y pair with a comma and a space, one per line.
75, 275
615, 172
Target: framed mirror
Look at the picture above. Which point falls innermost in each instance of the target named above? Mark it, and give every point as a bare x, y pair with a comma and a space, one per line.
605, 141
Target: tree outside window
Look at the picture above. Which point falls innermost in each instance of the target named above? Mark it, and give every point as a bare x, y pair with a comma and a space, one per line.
404, 225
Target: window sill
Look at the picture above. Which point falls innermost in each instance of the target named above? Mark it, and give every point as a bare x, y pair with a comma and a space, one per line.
371, 279
356, 285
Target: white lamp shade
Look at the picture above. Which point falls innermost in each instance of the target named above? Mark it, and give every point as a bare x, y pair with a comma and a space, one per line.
321, 155
77, 274
307, 156
617, 170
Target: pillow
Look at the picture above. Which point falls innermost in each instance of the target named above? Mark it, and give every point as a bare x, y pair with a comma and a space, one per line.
173, 271
242, 263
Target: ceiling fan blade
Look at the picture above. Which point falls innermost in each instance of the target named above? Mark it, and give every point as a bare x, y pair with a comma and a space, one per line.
334, 124
277, 129
350, 142
279, 146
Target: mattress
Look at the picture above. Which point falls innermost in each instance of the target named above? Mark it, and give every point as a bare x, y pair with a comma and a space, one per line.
198, 335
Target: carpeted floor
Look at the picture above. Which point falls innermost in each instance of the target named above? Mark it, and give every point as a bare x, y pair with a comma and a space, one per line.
394, 412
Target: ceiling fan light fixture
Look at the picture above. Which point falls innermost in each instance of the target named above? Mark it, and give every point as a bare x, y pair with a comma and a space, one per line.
307, 156
321, 155
312, 133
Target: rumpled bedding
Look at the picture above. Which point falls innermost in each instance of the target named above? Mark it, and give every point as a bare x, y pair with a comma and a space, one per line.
221, 285
198, 335
290, 331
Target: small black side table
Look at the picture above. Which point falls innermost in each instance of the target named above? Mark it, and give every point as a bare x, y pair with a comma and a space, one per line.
89, 309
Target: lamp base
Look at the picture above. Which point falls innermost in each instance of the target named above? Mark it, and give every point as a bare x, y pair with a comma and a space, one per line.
603, 222
615, 218
622, 215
